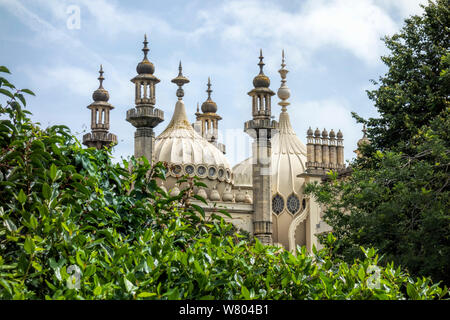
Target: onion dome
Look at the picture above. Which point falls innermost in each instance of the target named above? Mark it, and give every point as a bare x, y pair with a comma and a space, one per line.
332, 134
261, 80
364, 139
324, 133
317, 133
339, 134
209, 106
145, 66
309, 132
188, 152
100, 94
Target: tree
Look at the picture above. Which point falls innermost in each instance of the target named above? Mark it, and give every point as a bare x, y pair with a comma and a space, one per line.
397, 198
73, 225
415, 89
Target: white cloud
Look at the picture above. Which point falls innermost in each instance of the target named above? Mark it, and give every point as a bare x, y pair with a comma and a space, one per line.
351, 25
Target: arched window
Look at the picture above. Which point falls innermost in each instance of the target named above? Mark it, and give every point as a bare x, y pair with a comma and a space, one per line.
293, 203
277, 204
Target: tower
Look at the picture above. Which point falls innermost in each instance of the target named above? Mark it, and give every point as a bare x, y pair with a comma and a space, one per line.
209, 120
261, 128
145, 116
100, 108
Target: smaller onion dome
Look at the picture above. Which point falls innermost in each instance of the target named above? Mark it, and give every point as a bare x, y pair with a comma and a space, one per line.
309, 132
261, 80
214, 196
325, 133
175, 191
163, 187
248, 198
100, 94
340, 135
364, 139
202, 193
209, 106
332, 134
145, 66
227, 195
317, 133
240, 196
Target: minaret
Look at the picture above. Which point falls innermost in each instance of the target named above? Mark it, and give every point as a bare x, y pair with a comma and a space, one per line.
99, 137
145, 116
261, 129
209, 120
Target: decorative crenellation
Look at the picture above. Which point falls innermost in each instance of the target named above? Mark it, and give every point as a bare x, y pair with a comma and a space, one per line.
325, 151
100, 108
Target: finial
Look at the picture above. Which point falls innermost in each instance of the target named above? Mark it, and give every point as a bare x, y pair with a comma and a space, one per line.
101, 78
283, 92
209, 88
180, 80
261, 63
145, 49
364, 131
198, 110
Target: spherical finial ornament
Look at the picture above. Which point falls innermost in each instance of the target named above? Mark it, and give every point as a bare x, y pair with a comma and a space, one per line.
317, 133
309, 133
325, 133
339, 134
145, 66
283, 92
100, 94
332, 134
261, 80
180, 80
209, 106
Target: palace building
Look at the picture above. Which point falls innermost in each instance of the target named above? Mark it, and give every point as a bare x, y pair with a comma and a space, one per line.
264, 194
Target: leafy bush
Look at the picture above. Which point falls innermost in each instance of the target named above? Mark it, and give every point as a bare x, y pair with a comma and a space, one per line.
74, 225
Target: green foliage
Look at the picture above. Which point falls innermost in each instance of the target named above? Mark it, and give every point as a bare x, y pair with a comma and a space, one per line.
397, 199
416, 87
73, 225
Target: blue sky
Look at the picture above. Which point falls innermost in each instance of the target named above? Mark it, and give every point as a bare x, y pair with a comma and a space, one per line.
333, 49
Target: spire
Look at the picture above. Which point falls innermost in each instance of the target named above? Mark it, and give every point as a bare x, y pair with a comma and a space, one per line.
100, 94
209, 88
180, 80
145, 49
145, 66
283, 92
261, 80
261, 63
101, 78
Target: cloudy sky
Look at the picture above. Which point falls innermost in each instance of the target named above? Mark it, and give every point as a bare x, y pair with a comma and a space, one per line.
333, 49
